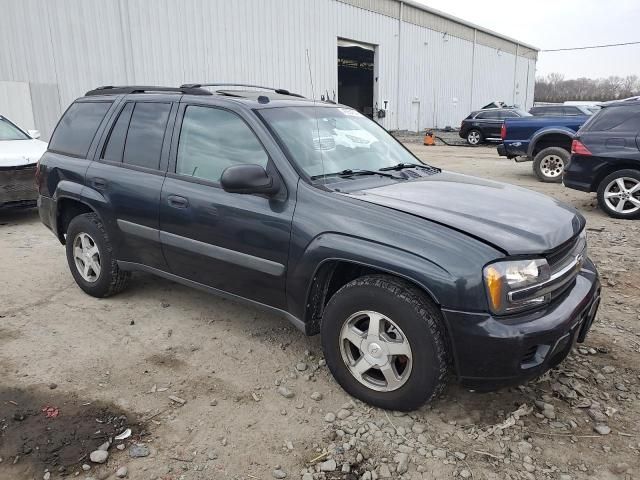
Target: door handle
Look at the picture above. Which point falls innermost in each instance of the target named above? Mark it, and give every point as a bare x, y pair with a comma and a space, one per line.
99, 183
176, 201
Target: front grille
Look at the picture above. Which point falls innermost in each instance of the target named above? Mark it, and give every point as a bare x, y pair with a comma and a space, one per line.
560, 255
18, 184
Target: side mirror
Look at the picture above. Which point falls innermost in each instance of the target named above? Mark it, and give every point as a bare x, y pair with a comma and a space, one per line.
248, 178
34, 133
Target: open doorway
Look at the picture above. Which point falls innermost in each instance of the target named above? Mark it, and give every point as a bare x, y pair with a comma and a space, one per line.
356, 75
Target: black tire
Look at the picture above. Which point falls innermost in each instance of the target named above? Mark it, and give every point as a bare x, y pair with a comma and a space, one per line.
111, 279
558, 157
627, 173
475, 137
418, 318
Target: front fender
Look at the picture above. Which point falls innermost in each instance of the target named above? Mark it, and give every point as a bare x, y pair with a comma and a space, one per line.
431, 277
546, 131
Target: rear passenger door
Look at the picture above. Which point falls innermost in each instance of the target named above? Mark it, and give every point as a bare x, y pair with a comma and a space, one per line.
489, 123
231, 242
129, 173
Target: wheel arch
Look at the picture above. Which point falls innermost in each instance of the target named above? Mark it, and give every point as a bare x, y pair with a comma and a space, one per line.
333, 273
557, 137
612, 168
67, 209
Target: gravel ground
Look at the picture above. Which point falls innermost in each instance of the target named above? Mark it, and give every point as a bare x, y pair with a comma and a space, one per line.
215, 390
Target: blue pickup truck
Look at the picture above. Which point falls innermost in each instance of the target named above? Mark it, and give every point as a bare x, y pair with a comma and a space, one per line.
545, 140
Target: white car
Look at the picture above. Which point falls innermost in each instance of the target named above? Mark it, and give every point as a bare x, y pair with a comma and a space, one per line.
19, 154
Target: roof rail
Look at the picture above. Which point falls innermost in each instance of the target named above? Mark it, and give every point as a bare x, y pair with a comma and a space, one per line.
124, 90
281, 91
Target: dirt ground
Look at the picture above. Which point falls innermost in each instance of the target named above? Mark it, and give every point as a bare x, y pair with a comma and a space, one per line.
75, 371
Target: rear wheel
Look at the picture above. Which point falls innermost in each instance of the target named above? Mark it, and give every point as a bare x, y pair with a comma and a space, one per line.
619, 194
383, 342
474, 137
549, 163
90, 257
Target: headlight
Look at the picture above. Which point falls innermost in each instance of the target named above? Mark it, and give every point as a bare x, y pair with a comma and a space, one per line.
505, 277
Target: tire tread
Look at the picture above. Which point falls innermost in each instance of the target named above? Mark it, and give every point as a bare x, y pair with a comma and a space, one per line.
423, 306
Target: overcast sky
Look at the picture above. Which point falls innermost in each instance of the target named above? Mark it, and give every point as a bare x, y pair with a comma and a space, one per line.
550, 24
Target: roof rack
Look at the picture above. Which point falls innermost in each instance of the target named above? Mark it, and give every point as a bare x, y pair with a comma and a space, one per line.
280, 91
125, 90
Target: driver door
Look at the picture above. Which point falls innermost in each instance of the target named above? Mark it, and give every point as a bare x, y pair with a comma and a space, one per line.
232, 242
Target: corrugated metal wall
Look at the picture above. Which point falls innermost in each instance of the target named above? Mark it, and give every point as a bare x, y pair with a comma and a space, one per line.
424, 74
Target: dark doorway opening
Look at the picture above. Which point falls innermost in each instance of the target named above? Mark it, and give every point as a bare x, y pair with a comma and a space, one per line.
355, 77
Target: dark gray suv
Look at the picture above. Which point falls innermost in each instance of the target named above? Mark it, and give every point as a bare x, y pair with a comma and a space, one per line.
312, 211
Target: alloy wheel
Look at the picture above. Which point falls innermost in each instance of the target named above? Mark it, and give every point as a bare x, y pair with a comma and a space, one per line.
87, 257
552, 166
473, 137
376, 351
622, 195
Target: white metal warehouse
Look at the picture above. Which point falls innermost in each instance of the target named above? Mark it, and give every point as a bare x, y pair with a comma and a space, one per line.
422, 67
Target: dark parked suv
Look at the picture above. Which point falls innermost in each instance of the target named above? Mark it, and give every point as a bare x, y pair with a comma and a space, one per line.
605, 158
313, 211
484, 125
559, 111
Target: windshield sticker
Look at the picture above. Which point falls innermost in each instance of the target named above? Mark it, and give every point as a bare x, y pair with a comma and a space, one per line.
350, 112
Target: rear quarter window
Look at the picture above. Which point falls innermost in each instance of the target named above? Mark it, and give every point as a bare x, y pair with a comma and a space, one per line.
619, 119
77, 127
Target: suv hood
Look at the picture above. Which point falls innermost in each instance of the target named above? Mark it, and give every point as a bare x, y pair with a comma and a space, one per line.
516, 220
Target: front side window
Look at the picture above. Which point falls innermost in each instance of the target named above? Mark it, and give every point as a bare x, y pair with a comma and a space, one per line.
212, 139
8, 131
329, 140
78, 126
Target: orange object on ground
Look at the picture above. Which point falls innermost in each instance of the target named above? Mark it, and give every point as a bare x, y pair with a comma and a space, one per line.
429, 139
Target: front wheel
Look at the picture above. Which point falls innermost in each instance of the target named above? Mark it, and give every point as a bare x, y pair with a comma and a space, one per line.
474, 137
619, 194
384, 343
549, 163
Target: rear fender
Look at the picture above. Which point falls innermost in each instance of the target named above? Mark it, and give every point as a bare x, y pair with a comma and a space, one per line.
540, 134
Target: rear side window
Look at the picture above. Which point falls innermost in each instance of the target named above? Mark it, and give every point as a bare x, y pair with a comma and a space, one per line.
145, 135
78, 126
487, 115
115, 146
619, 119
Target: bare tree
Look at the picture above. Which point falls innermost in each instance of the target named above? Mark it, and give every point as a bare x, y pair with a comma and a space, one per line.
554, 88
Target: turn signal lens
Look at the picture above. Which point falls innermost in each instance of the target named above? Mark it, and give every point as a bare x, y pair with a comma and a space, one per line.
494, 287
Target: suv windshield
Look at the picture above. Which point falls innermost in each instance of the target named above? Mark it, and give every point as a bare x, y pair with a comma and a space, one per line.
8, 131
329, 140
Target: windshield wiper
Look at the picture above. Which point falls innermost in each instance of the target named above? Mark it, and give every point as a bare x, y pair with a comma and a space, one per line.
351, 172
402, 166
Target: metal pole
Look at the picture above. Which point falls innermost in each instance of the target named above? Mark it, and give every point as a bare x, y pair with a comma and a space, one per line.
515, 73
473, 67
399, 64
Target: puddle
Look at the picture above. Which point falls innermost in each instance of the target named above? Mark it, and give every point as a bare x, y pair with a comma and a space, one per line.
45, 429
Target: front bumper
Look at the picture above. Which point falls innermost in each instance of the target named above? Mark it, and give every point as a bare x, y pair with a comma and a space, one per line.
490, 352
18, 186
